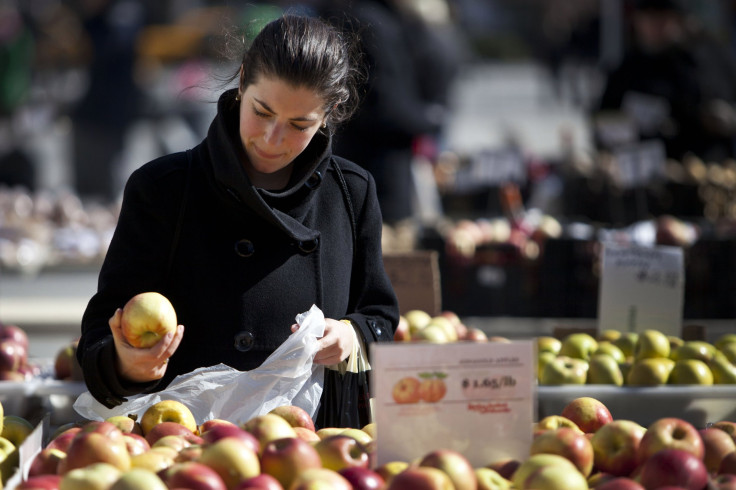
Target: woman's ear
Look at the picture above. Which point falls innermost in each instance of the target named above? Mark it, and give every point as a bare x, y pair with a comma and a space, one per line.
241, 79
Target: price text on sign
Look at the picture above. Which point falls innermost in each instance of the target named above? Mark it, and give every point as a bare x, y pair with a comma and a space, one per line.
476, 398
641, 288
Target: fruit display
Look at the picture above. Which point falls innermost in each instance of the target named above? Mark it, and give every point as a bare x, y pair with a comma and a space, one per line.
14, 362
420, 326
581, 447
648, 358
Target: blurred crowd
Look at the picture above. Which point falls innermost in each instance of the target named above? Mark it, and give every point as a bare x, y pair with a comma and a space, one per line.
85, 73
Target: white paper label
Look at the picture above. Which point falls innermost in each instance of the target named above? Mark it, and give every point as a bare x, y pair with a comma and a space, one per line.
641, 288
475, 398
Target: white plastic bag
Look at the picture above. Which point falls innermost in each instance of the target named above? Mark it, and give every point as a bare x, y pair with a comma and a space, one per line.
287, 377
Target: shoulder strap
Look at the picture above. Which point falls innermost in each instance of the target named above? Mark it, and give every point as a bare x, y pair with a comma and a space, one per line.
180, 218
348, 201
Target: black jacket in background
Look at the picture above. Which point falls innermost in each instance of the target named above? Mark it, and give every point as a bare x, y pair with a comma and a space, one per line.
247, 260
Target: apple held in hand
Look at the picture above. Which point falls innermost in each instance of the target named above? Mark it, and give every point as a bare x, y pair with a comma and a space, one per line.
146, 318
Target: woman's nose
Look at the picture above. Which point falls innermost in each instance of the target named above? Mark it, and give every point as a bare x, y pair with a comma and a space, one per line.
274, 134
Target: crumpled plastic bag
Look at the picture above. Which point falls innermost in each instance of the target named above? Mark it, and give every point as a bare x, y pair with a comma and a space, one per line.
286, 377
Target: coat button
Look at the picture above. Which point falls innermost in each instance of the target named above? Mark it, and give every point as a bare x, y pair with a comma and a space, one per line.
308, 246
244, 341
244, 248
314, 180
376, 328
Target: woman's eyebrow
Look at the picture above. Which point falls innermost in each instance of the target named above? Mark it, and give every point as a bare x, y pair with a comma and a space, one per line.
265, 106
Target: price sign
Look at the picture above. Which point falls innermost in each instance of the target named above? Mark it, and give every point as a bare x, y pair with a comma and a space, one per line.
641, 288
475, 398
640, 163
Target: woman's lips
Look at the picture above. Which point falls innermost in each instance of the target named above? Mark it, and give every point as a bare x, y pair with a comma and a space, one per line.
264, 155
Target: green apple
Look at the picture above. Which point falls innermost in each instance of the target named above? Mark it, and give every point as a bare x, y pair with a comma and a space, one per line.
547, 343
9, 458
650, 372
604, 370
578, 345
651, 344
627, 343
548, 471
489, 479
675, 342
729, 351
417, 319
432, 333
544, 358
611, 349
608, 335
564, 370
724, 373
446, 325
726, 338
16, 429
694, 349
690, 372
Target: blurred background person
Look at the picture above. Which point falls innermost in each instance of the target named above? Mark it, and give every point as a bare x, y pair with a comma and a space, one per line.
413, 53
676, 83
112, 99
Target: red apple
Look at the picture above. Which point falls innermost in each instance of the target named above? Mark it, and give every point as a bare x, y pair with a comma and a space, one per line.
406, 390
14, 333
232, 459
12, 356
211, 423
619, 483
172, 429
717, 444
340, 451
296, 416
568, 443
728, 465
46, 462
285, 458
674, 467
616, 445
147, 317
505, 467
66, 365
306, 434
136, 443
402, 334
475, 334
193, 476
214, 432
40, 482
189, 453
62, 440
421, 478
727, 426
588, 413
454, 464
269, 427
97, 442
670, 433
264, 481
363, 478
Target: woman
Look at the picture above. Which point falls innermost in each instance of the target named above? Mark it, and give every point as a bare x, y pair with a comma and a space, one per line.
249, 228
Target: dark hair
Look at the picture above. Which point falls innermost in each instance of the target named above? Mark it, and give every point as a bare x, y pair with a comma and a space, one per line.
307, 52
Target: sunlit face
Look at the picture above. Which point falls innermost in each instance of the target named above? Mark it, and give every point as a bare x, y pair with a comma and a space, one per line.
277, 122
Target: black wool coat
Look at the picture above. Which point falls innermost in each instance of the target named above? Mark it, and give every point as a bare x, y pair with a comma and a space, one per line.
237, 262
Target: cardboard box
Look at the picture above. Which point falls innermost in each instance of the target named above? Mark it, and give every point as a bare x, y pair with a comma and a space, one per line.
415, 277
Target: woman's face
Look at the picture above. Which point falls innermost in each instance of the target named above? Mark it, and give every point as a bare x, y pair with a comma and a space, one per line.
277, 122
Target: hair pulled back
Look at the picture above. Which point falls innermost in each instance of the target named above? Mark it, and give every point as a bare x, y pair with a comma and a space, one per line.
307, 52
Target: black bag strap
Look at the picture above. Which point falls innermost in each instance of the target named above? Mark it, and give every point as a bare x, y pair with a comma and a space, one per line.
348, 202
180, 218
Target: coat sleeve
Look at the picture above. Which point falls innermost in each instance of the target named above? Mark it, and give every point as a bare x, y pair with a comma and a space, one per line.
135, 262
375, 308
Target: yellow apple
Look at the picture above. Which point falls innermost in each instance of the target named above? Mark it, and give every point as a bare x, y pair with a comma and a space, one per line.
168, 411
146, 318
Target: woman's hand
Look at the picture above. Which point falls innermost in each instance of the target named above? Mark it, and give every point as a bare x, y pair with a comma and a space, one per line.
142, 365
336, 344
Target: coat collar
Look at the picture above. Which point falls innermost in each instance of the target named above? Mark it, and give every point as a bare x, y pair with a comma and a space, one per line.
282, 208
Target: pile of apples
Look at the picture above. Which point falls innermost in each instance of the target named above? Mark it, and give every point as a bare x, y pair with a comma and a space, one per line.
13, 431
649, 358
14, 363
419, 325
582, 447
